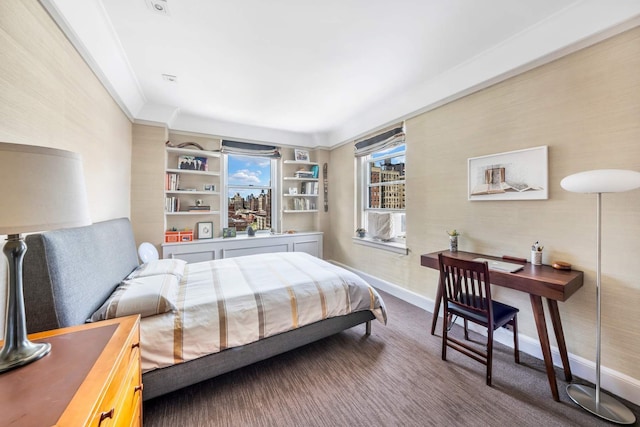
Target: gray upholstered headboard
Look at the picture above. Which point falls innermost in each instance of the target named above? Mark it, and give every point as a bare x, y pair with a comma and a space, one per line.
69, 273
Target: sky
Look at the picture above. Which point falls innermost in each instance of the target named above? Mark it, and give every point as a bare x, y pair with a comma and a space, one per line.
248, 171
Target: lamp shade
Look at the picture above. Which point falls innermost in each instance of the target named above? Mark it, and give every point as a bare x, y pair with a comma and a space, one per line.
602, 181
42, 189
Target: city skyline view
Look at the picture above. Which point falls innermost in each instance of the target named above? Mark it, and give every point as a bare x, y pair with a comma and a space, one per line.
249, 192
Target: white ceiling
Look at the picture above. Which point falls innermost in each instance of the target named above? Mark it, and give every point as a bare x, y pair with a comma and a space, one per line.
317, 73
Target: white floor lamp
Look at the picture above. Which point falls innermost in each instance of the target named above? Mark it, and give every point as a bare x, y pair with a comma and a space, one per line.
600, 181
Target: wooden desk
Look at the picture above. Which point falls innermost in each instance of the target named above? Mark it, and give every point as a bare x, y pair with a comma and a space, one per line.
538, 281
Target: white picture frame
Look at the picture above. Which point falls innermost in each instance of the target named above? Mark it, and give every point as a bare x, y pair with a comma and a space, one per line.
205, 230
301, 155
512, 175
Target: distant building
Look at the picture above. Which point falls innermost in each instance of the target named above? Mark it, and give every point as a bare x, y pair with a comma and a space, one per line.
243, 212
389, 196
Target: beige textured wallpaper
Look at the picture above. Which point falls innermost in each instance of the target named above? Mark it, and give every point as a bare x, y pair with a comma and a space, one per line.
50, 97
586, 108
147, 184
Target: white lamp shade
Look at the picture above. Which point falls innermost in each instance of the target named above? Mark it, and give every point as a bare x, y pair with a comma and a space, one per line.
42, 189
602, 181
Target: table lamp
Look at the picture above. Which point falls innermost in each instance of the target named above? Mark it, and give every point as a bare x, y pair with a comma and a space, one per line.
600, 181
42, 189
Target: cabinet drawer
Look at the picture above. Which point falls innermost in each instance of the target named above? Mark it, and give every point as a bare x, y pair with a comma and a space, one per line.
129, 396
127, 371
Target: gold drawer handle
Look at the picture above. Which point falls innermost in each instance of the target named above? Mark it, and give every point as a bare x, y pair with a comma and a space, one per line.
138, 388
134, 345
105, 415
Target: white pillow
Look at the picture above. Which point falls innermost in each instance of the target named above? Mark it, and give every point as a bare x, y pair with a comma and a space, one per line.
159, 266
146, 296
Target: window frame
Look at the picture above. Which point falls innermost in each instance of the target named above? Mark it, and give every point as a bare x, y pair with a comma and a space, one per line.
274, 187
363, 165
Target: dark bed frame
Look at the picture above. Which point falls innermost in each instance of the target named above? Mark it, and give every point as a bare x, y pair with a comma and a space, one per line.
69, 273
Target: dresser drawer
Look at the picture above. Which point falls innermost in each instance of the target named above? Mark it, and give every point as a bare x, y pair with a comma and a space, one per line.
120, 395
130, 398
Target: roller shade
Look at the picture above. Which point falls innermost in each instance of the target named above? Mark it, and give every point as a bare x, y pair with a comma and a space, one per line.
249, 149
380, 141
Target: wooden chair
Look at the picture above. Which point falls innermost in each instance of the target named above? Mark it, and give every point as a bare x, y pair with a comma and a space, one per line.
466, 293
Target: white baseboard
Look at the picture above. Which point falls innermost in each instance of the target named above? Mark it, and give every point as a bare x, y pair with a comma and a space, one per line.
612, 381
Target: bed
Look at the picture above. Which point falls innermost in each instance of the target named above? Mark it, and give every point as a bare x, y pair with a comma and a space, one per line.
199, 320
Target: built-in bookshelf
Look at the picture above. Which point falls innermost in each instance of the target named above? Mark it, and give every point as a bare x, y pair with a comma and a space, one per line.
192, 188
301, 186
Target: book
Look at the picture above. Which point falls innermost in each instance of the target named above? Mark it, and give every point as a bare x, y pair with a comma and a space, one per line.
304, 174
171, 204
172, 181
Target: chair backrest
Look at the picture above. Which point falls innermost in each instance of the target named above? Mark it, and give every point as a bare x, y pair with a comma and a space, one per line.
466, 284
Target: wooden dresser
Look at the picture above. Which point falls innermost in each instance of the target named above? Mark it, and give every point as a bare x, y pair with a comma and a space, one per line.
91, 377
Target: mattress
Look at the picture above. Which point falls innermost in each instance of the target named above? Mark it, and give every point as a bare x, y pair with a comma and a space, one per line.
231, 302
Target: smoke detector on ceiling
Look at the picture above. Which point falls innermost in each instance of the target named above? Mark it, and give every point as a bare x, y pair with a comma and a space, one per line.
170, 78
158, 6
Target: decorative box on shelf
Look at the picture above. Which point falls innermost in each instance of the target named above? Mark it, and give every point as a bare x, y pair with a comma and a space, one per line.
178, 236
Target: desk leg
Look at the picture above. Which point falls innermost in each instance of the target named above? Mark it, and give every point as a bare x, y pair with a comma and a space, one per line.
562, 346
541, 325
436, 309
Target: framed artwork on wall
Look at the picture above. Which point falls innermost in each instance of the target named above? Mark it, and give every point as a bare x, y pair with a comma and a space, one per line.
513, 175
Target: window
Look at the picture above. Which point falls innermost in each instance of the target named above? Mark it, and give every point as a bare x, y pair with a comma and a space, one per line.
250, 192
384, 193
381, 163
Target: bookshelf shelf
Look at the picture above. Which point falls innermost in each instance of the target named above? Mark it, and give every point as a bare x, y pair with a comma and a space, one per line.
203, 193
193, 213
290, 178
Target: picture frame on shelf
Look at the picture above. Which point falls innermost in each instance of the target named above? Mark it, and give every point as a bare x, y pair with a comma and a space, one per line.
301, 155
192, 163
209, 187
205, 230
228, 232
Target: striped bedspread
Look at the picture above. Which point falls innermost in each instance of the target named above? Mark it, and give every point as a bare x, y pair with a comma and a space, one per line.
235, 301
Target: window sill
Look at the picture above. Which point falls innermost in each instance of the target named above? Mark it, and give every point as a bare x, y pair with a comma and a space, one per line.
395, 247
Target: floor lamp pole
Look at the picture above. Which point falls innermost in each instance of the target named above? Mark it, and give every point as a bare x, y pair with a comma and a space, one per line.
598, 295
591, 399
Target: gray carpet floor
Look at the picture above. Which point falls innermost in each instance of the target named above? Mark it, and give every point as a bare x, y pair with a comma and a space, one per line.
395, 377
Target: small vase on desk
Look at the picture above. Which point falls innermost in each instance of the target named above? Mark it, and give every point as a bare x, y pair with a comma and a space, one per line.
453, 243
